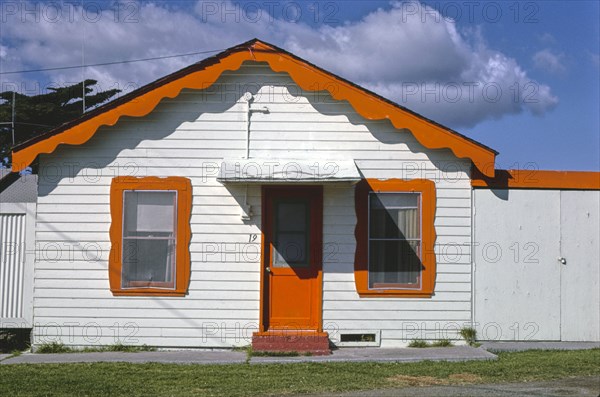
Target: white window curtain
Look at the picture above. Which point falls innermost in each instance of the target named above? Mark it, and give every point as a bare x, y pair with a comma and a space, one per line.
394, 239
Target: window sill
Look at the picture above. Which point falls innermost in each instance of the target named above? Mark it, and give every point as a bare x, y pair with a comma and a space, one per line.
164, 286
147, 292
395, 287
391, 293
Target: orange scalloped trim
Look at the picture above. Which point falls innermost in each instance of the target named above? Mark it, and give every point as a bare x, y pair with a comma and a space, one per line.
428, 235
184, 232
538, 179
305, 75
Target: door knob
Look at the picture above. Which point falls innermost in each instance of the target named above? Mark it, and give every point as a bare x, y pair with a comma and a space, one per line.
268, 269
562, 260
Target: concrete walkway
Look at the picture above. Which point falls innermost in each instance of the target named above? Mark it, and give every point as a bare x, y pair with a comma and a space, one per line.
374, 354
458, 353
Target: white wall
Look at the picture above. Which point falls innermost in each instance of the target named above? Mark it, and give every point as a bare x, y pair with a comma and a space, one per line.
188, 136
522, 290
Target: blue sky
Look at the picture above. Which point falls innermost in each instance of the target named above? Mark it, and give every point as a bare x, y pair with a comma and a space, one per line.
521, 77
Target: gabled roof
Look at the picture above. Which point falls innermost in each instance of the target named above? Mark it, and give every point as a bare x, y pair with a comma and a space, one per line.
309, 77
4, 172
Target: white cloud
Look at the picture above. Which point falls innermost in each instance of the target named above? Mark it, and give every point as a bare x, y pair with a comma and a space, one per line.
547, 39
548, 61
425, 64
595, 58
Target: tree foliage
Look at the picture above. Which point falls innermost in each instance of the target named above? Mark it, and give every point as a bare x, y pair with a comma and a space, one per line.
39, 113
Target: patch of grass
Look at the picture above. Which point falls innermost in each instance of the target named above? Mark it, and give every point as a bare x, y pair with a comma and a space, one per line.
247, 349
469, 335
243, 349
408, 380
423, 344
16, 353
54, 347
454, 379
418, 343
239, 380
442, 343
251, 353
118, 348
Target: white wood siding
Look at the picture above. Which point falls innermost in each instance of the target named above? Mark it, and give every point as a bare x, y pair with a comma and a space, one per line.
188, 136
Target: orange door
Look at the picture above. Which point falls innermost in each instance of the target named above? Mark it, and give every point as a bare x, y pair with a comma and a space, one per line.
292, 226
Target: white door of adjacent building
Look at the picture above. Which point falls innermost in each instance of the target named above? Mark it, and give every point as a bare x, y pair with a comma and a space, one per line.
536, 264
580, 277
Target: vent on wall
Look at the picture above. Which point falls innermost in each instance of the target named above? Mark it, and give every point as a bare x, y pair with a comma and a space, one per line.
359, 338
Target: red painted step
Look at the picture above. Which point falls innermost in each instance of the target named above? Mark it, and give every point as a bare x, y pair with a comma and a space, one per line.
315, 343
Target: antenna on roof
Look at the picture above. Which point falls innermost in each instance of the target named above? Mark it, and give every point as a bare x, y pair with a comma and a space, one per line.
83, 67
12, 119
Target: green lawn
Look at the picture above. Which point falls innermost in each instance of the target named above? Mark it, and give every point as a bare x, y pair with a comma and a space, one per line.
104, 379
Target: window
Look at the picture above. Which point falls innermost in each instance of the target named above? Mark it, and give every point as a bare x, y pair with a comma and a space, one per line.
395, 236
291, 233
394, 240
150, 234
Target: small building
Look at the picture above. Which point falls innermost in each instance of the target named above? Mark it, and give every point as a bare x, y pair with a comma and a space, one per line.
254, 197
18, 197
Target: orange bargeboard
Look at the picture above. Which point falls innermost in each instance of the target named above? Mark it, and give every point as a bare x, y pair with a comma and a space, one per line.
292, 258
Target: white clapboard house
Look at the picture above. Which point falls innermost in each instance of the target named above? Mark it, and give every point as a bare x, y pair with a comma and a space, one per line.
255, 198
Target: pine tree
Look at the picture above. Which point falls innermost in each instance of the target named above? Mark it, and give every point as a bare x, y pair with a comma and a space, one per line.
40, 113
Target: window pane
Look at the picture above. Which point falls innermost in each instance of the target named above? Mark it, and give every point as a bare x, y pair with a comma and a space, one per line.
390, 200
148, 263
290, 249
146, 213
394, 215
291, 217
149, 239
290, 240
394, 262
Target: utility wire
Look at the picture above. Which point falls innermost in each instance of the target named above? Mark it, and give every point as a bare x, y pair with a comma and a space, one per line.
111, 63
18, 122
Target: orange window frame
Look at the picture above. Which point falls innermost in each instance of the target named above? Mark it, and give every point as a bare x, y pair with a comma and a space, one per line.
183, 187
426, 188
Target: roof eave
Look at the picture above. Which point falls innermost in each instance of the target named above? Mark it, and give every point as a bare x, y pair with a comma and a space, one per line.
309, 77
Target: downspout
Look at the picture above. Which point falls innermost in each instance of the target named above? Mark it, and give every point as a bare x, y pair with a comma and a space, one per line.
246, 208
249, 99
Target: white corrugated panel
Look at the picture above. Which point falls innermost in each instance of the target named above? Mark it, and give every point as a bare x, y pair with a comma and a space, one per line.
12, 239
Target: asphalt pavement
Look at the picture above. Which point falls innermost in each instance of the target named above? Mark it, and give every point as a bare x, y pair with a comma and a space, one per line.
577, 386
